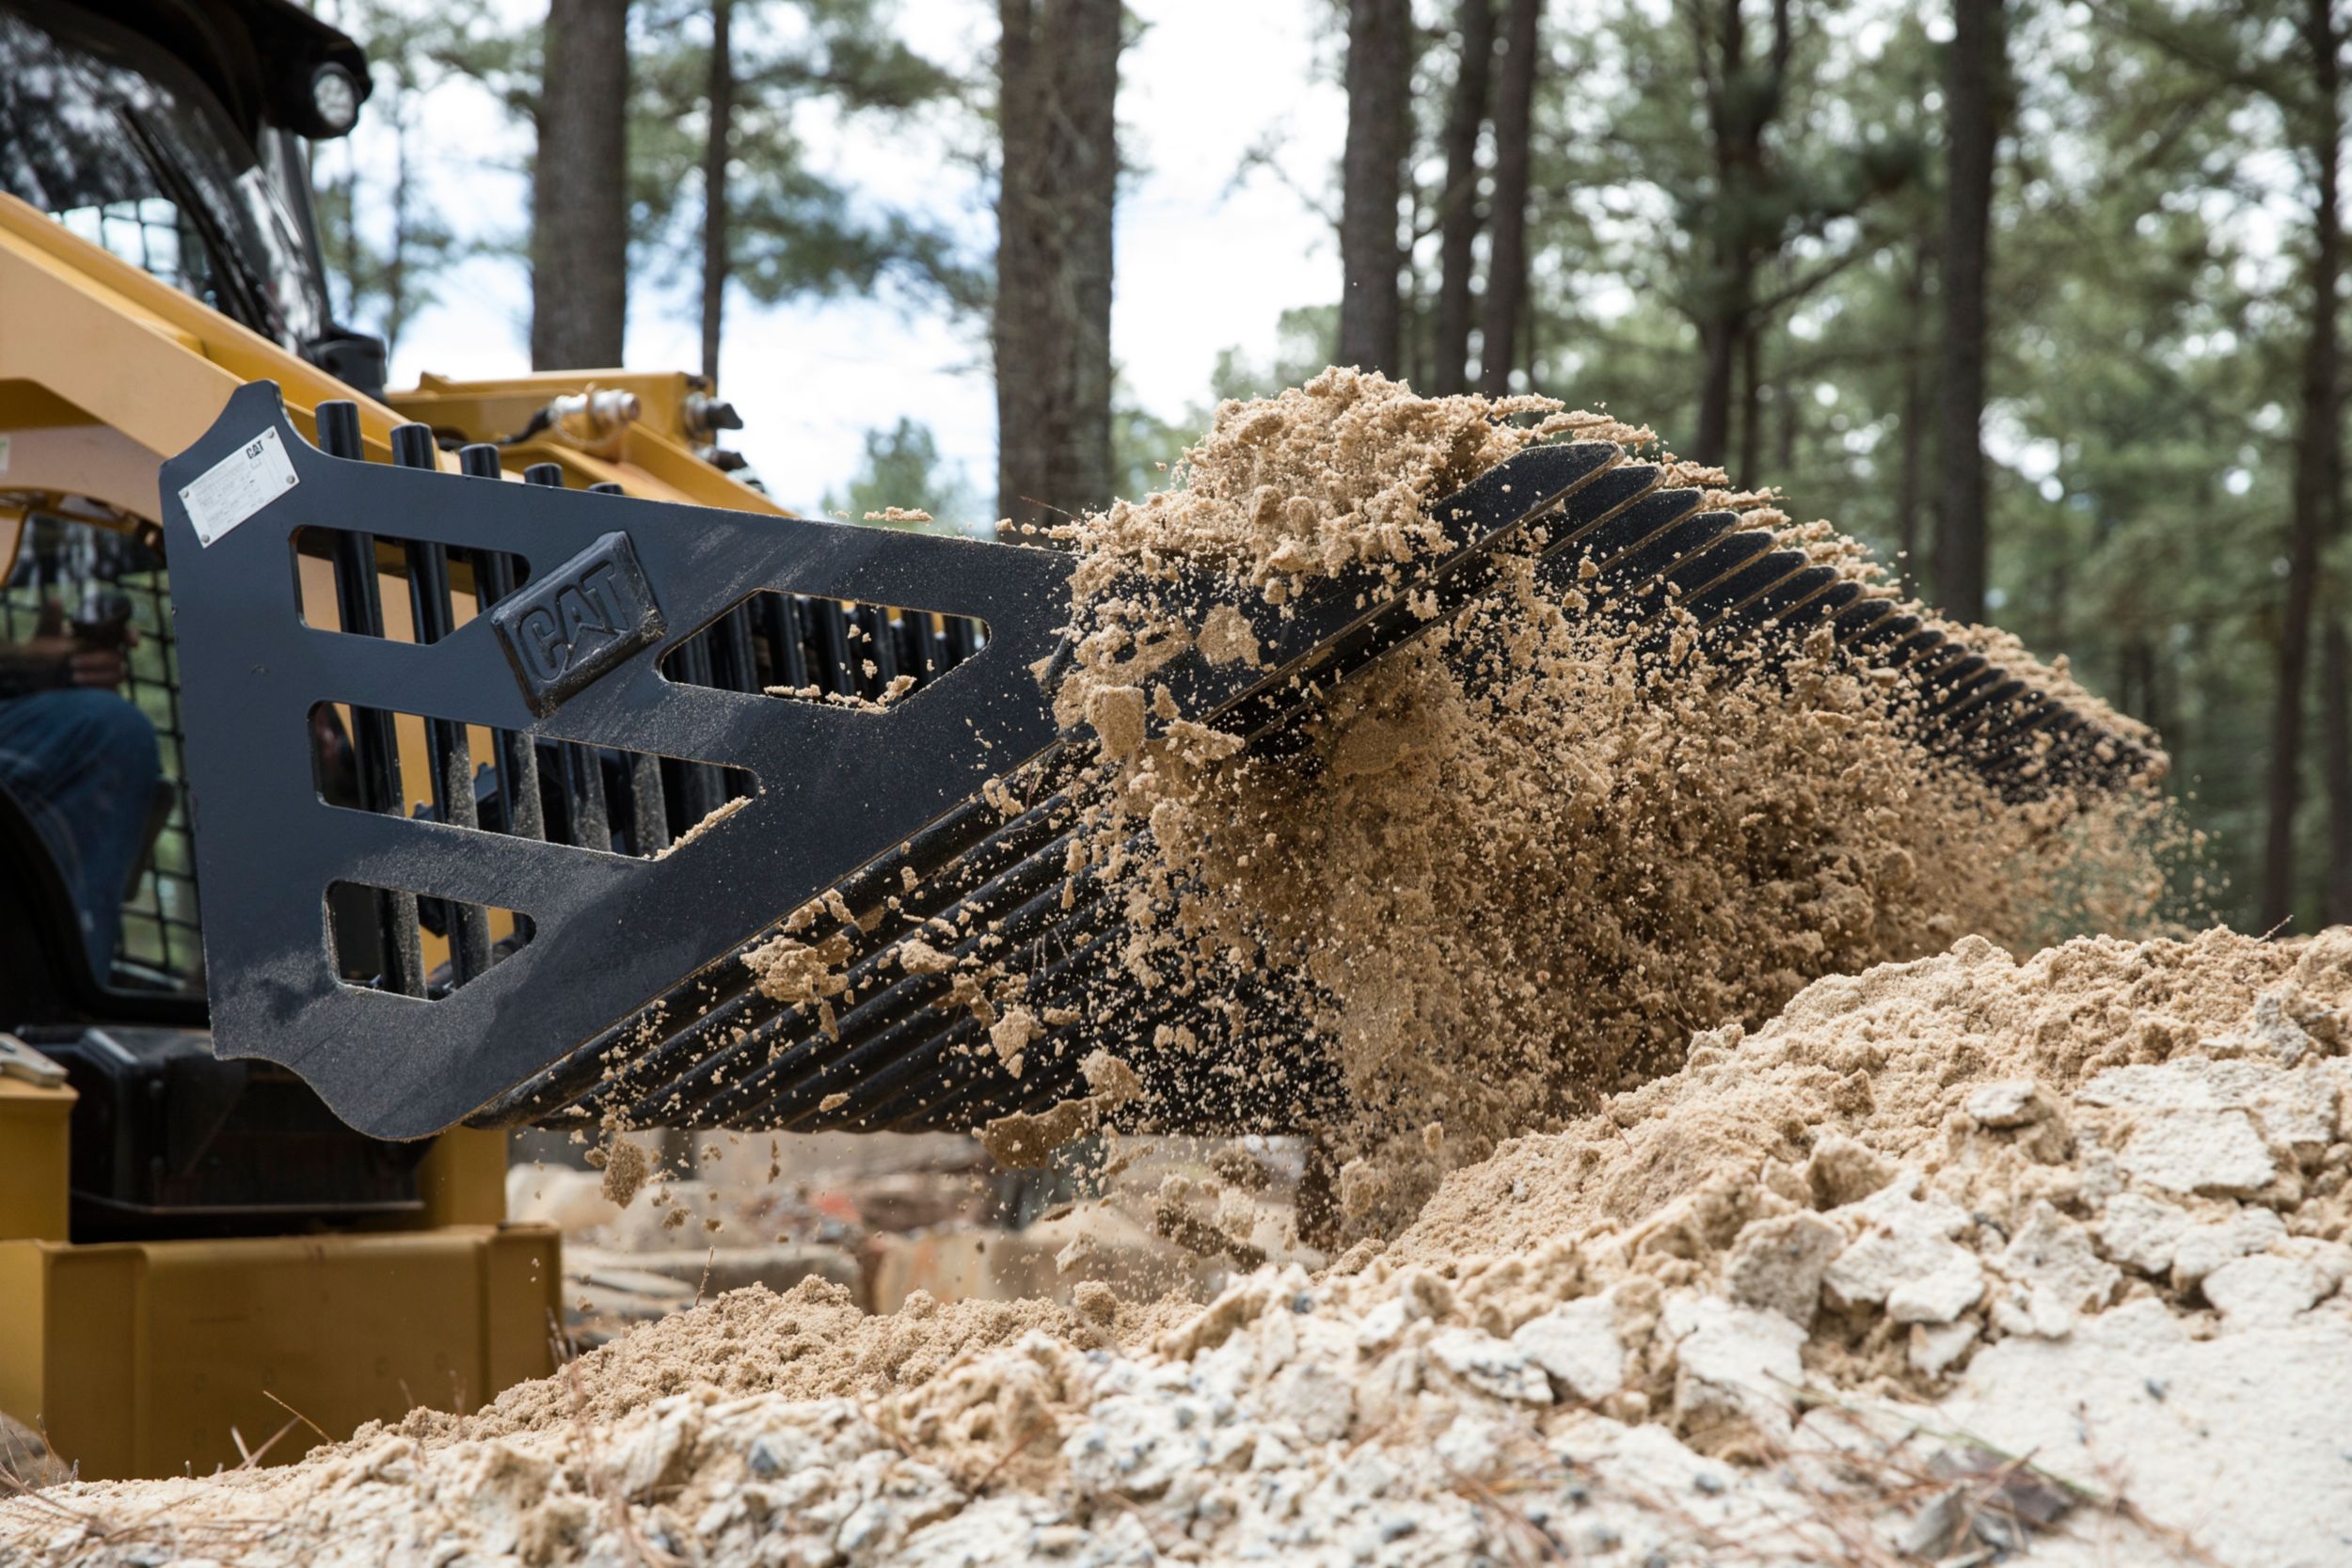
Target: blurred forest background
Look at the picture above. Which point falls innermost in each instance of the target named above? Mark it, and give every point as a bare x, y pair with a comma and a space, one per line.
2040, 299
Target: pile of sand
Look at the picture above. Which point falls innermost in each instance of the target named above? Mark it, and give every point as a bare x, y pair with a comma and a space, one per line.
808, 1343
1957, 1256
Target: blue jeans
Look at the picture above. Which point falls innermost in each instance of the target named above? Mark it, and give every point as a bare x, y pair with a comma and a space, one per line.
82, 765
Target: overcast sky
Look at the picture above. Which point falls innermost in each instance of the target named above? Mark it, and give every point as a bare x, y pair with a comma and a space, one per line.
1206, 260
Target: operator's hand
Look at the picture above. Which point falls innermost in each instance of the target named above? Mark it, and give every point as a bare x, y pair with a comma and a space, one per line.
79, 666
79, 663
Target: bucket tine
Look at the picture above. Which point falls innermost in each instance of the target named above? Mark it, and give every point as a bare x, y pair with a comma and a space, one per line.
375, 740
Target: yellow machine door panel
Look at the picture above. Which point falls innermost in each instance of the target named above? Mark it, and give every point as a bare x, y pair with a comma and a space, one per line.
158, 1356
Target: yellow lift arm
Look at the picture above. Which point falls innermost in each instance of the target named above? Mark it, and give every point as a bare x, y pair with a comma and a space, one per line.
105, 370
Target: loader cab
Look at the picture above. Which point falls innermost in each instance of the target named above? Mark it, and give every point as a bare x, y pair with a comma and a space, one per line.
170, 133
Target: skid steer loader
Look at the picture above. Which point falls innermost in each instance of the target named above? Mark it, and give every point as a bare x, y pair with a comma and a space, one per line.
187, 1239
506, 723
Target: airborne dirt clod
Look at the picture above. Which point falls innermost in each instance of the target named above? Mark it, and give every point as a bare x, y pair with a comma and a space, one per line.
1738, 1163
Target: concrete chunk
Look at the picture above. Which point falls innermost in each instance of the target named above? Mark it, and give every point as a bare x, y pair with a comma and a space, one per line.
2236, 1440
1777, 1264
2264, 1291
1577, 1343
1936, 1346
1905, 1259
2204, 1248
2199, 1151
2011, 1103
1491, 1366
2270, 1031
2054, 1258
1735, 1369
2142, 1232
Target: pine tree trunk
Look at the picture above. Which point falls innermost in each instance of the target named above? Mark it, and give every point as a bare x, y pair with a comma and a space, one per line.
720, 95
1052, 333
1507, 247
1790, 407
1718, 362
2336, 647
2336, 747
1973, 70
1458, 223
2142, 685
1750, 403
1372, 173
2318, 476
1742, 99
1909, 478
579, 192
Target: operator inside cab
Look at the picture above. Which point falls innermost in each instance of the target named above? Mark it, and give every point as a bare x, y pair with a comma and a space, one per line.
81, 762
168, 133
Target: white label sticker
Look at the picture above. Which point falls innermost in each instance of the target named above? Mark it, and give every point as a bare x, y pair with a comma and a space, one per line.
238, 486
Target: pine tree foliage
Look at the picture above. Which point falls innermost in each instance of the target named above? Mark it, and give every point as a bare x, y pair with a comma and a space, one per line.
388, 248
902, 471
802, 70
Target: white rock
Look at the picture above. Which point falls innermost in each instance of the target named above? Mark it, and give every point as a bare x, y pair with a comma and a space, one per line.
2101, 1179
2270, 1030
2199, 1152
2016, 1309
1733, 1363
2337, 1071
1491, 1364
1382, 1325
1936, 1346
2293, 1111
1777, 1264
2011, 1103
1136, 1446
1312, 1395
653, 1451
2142, 1232
1905, 1259
1387, 1388
2264, 1291
2204, 1248
2298, 1112
1951, 1284
2333, 1260
2238, 1440
1472, 1445
2183, 1084
1899, 1202
1577, 1343
2052, 1257
2272, 1024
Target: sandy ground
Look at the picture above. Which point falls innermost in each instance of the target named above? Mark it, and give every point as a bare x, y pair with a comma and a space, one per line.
2066, 1285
